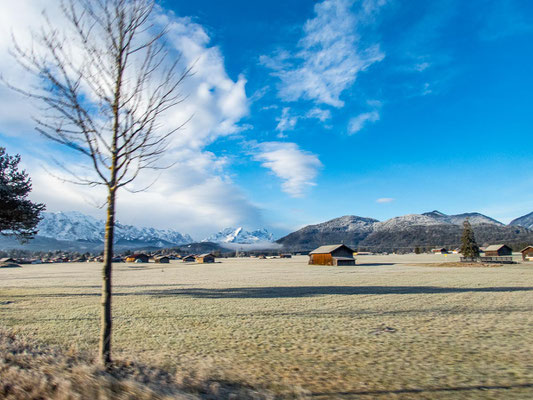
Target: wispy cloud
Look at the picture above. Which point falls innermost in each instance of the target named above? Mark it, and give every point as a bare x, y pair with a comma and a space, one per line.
319, 113
506, 18
385, 200
329, 55
358, 123
286, 122
295, 167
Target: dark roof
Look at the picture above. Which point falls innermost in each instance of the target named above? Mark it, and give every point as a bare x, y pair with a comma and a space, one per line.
329, 249
205, 255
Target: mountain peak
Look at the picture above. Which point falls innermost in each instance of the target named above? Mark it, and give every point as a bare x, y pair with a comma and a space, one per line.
435, 214
241, 236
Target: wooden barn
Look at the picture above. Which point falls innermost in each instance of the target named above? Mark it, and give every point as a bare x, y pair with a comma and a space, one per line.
139, 258
337, 254
527, 253
189, 258
205, 258
440, 250
285, 256
162, 259
498, 250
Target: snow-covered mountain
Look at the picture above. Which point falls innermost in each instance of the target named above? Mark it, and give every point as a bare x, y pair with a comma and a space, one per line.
75, 226
429, 229
474, 218
349, 229
241, 236
525, 221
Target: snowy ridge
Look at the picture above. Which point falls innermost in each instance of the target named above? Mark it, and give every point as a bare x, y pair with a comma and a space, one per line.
241, 236
525, 221
75, 226
474, 218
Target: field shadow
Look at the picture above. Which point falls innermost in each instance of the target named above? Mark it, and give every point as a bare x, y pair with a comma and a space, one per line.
312, 291
278, 292
376, 264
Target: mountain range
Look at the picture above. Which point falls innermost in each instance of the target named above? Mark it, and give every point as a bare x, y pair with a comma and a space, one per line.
79, 232
429, 229
75, 231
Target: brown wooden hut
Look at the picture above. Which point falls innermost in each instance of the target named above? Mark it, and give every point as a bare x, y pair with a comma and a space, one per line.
162, 259
527, 253
205, 258
440, 250
285, 256
143, 258
337, 254
189, 258
498, 250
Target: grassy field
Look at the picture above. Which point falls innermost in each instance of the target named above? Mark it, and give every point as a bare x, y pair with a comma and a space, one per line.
385, 329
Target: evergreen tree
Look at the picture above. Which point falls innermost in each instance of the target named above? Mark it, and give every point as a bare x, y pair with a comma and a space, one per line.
469, 247
18, 215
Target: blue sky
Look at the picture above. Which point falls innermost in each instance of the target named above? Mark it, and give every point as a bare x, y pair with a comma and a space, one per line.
372, 107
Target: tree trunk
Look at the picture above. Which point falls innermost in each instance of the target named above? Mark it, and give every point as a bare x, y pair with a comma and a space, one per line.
106, 319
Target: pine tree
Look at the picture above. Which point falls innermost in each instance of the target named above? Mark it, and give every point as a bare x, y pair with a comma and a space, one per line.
469, 247
18, 215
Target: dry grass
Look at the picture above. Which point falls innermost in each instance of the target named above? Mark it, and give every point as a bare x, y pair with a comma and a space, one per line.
30, 370
386, 328
463, 265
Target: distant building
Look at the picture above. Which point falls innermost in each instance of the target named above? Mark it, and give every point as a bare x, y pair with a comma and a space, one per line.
527, 253
498, 250
189, 258
285, 256
162, 259
138, 258
205, 258
440, 250
7, 260
337, 254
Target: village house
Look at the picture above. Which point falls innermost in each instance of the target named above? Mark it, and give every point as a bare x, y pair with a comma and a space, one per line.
527, 253
498, 250
138, 258
205, 258
162, 259
189, 258
285, 256
337, 254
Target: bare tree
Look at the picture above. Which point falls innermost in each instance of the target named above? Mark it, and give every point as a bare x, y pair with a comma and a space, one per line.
104, 85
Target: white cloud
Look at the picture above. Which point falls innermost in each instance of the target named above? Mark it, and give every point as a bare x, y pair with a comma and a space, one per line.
329, 55
358, 123
286, 122
295, 167
422, 66
385, 200
195, 195
320, 114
